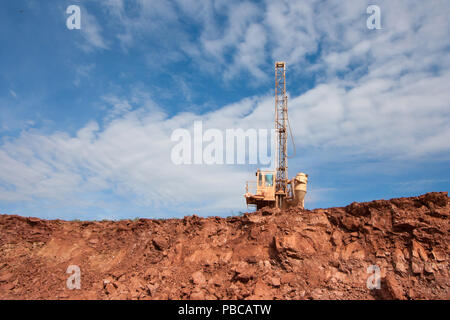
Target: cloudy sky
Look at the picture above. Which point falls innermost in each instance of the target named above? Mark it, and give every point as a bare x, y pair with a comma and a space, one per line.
86, 115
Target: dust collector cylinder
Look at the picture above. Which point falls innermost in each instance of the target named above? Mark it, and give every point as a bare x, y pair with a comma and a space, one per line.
301, 180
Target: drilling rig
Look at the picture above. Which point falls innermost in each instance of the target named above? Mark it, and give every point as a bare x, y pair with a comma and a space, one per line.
273, 188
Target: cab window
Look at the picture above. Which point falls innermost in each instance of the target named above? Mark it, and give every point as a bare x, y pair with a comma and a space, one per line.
269, 180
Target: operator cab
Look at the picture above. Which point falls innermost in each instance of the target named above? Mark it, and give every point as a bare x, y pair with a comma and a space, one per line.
266, 182
265, 189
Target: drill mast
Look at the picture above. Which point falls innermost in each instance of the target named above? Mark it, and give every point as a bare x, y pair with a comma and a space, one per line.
281, 190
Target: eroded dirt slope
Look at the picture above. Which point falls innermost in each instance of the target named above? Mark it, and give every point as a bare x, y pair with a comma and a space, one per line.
269, 254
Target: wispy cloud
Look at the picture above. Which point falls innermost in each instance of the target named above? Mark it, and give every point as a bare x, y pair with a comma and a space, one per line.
91, 31
82, 71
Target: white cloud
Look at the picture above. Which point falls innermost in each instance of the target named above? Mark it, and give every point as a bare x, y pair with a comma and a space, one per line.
250, 54
92, 32
292, 30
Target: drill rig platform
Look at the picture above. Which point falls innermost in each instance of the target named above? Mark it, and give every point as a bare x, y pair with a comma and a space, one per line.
273, 188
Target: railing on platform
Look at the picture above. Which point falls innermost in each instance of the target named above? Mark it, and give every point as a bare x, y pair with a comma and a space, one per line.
250, 187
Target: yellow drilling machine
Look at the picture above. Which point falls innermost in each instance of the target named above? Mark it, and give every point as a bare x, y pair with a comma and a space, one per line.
273, 188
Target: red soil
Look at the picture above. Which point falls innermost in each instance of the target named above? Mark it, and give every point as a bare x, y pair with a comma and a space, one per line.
269, 254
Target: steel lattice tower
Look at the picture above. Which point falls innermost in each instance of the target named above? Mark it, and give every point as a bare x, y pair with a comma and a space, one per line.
280, 128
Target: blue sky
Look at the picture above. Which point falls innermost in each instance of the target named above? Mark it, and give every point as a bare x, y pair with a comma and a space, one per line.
86, 115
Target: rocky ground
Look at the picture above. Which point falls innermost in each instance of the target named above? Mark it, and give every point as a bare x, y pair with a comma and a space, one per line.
269, 254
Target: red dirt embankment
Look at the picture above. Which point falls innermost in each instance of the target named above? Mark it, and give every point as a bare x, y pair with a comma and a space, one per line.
269, 254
